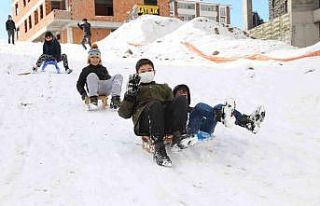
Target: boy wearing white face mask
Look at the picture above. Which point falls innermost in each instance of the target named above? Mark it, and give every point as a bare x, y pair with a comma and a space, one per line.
154, 110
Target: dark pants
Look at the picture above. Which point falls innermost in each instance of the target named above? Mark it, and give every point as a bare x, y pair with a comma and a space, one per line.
86, 39
10, 36
45, 57
204, 118
161, 118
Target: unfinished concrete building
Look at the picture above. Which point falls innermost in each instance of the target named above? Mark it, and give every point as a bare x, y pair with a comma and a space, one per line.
296, 22
34, 17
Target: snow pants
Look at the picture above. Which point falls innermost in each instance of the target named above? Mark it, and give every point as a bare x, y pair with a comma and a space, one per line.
97, 87
45, 57
161, 118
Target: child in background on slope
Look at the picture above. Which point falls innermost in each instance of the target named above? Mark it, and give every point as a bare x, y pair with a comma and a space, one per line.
52, 51
154, 110
98, 81
203, 118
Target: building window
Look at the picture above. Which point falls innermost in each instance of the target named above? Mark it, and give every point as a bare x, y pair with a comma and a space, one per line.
223, 20
41, 12
186, 17
185, 6
150, 2
222, 12
207, 8
25, 26
16, 9
30, 22
60, 5
36, 17
24, 3
103, 7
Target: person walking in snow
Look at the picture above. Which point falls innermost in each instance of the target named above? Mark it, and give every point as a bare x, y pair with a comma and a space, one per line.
86, 27
95, 80
203, 118
52, 51
154, 110
11, 28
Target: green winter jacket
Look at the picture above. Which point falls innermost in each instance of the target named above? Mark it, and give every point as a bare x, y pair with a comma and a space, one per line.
146, 93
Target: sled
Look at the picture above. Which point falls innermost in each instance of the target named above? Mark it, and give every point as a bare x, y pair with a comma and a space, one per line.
148, 143
103, 99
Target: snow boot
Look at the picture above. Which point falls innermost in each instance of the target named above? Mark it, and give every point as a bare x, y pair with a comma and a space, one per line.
93, 103
160, 154
227, 115
183, 141
115, 102
68, 71
257, 118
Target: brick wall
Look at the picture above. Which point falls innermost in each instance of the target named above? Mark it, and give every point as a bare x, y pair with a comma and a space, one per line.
277, 8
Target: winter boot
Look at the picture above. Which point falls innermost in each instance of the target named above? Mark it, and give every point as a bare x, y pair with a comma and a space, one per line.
183, 141
115, 102
257, 118
227, 114
160, 154
93, 103
68, 71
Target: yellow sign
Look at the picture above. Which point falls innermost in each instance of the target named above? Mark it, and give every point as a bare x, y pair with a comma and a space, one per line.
147, 9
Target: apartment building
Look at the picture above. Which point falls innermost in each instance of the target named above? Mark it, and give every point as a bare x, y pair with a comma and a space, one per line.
187, 10
34, 17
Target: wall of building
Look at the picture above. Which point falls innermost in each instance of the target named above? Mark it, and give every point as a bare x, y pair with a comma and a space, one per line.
277, 8
277, 29
305, 31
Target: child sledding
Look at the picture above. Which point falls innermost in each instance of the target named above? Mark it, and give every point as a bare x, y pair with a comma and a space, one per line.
95, 83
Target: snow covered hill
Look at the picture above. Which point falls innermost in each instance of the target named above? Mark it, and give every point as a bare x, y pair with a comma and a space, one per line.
52, 152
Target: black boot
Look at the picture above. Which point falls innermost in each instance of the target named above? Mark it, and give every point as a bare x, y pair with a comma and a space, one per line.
115, 102
160, 154
94, 100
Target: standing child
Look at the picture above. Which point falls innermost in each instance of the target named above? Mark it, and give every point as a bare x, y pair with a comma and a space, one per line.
203, 118
97, 81
86, 27
154, 110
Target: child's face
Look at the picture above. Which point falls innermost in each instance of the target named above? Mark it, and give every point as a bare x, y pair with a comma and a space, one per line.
94, 60
48, 38
182, 92
145, 68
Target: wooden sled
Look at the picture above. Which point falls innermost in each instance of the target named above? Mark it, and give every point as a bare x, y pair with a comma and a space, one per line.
148, 143
103, 99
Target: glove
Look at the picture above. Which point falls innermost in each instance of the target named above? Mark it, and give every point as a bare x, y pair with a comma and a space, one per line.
83, 96
132, 87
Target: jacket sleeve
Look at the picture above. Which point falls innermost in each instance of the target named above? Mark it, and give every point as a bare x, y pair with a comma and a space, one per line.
81, 82
169, 92
106, 73
14, 25
7, 25
80, 26
126, 109
44, 49
58, 55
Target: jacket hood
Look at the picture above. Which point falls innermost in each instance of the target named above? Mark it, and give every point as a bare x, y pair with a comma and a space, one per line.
182, 86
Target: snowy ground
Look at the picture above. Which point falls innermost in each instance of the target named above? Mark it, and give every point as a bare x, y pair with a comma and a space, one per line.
52, 152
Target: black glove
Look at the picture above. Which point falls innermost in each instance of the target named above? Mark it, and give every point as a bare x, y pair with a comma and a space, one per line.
132, 87
83, 96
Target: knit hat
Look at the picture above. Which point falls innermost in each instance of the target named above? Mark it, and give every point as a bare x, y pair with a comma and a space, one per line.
94, 51
182, 87
142, 62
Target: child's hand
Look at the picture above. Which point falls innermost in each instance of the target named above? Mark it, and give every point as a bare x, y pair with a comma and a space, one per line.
133, 84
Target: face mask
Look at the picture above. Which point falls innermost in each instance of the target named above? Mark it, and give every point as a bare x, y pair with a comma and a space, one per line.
146, 77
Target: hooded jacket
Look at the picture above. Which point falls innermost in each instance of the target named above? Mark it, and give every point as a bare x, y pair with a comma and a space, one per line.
52, 48
184, 86
86, 27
